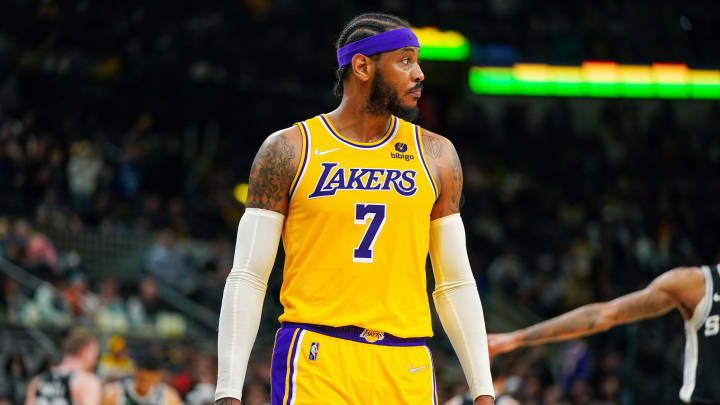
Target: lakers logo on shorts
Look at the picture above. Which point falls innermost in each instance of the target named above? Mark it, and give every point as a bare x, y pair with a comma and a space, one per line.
372, 336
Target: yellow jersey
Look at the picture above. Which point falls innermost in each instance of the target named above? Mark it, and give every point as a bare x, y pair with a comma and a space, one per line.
357, 231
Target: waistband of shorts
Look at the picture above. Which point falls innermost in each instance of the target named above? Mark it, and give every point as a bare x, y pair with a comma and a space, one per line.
358, 334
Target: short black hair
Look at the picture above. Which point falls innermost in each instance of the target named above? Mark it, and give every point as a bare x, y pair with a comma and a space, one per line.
148, 361
361, 27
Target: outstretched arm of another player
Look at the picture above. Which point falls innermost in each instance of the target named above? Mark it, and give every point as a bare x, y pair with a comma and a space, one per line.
256, 247
662, 295
456, 297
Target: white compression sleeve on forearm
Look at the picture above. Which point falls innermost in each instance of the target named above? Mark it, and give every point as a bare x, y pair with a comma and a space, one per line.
458, 303
258, 235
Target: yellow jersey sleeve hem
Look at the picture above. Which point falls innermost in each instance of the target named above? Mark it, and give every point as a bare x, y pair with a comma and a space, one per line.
421, 151
304, 156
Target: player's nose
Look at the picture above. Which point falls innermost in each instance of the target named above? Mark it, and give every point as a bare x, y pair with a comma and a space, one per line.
417, 74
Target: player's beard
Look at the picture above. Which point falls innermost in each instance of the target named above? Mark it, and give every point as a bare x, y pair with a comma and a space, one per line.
383, 99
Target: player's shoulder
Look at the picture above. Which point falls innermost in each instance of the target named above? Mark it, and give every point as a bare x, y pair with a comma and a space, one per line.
286, 137
83, 378
426, 134
681, 278
436, 146
281, 148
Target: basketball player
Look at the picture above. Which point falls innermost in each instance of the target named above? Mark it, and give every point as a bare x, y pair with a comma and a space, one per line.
71, 381
694, 291
145, 387
359, 195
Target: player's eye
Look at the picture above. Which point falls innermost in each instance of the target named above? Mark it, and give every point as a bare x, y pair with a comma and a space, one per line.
406, 61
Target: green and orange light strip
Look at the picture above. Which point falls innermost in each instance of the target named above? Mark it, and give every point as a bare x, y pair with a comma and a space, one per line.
598, 79
442, 45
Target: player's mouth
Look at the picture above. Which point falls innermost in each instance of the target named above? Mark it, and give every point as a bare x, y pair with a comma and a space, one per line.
416, 91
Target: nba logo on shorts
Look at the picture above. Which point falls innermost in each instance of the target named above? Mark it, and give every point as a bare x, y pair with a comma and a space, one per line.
314, 350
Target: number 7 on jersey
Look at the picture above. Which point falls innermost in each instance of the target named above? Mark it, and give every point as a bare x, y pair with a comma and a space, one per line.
376, 212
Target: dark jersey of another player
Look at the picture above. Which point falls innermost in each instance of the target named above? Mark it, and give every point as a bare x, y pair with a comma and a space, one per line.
128, 396
53, 389
701, 377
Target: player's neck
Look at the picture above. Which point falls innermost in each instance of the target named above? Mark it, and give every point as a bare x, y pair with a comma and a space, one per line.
352, 120
69, 364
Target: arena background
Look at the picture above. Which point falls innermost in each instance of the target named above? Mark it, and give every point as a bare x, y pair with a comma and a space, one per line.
127, 130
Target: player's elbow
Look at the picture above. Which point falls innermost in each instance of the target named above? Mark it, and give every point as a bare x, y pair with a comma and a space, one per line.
449, 287
244, 276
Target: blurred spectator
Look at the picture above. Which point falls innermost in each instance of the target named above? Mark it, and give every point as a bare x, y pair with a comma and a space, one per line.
144, 387
204, 379
14, 383
40, 255
111, 315
256, 393
49, 306
13, 301
115, 364
84, 169
166, 263
144, 308
5, 235
83, 303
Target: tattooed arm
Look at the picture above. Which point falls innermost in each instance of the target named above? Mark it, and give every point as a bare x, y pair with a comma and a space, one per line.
678, 288
447, 172
456, 297
258, 235
273, 170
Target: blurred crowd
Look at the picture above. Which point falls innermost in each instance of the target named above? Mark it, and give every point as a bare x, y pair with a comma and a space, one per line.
185, 370
140, 131
559, 213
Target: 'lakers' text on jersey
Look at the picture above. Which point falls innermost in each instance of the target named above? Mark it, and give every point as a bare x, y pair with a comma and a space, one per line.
702, 347
356, 235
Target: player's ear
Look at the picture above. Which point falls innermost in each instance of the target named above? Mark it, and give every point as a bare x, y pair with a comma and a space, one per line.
362, 67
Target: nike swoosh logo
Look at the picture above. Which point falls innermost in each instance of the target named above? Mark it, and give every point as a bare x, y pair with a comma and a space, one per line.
318, 153
415, 370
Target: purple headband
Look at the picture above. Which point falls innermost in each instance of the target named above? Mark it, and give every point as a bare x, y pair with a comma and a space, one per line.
383, 42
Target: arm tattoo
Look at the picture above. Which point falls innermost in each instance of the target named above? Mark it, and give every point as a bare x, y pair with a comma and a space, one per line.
432, 146
271, 174
593, 318
580, 322
457, 181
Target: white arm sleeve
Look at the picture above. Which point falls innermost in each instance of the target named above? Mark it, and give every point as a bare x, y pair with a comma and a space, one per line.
257, 243
458, 303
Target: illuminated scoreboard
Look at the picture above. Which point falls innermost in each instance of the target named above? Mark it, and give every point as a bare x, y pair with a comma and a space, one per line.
597, 79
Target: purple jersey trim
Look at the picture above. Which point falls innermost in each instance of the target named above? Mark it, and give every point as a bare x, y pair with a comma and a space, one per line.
337, 136
293, 361
279, 370
353, 333
432, 370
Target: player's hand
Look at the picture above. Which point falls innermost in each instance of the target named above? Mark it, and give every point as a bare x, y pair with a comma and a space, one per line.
227, 401
499, 343
484, 400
